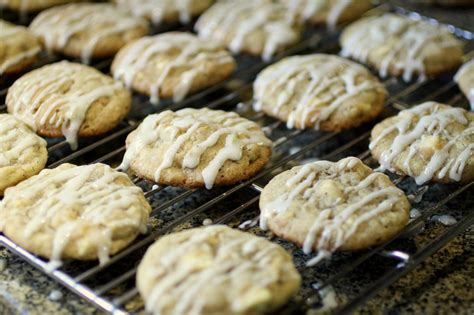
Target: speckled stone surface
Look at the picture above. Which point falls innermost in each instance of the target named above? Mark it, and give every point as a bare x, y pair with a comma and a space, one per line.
24, 290
443, 284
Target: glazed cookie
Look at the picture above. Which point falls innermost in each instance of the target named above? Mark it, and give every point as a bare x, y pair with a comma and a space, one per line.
257, 27
168, 11
32, 5
68, 99
18, 48
216, 270
74, 212
22, 153
330, 12
429, 142
400, 46
465, 79
333, 206
196, 148
87, 30
319, 91
172, 65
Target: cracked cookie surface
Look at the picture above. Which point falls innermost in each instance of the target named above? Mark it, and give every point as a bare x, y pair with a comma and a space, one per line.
166, 11
216, 270
429, 142
22, 153
319, 91
333, 206
68, 99
399, 46
87, 30
257, 27
197, 148
172, 65
74, 212
18, 48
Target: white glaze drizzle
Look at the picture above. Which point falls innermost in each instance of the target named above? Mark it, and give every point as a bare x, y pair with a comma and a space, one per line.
58, 25
186, 282
38, 99
323, 72
158, 9
15, 139
307, 9
444, 219
8, 30
241, 18
467, 69
414, 214
411, 41
95, 199
192, 51
428, 118
329, 300
336, 11
180, 126
17, 58
327, 225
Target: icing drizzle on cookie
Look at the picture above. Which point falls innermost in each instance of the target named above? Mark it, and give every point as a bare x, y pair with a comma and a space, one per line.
329, 82
74, 200
256, 254
192, 52
425, 128
46, 100
307, 9
320, 177
239, 19
158, 9
412, 40
178, 127
467, 70
15, 140
58, 26
7, 31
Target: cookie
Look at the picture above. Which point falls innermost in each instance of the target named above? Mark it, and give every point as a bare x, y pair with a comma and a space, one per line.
333, 206
216, 270
68, 99
87, 30
319, 91
166, 11
74, 212
172, 64
429, 142
465, 79
255, 27
22, 153
18, 48
32, 5
329, 12
196, 148
399, 46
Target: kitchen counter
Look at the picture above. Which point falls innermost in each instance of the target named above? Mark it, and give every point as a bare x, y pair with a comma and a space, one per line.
443, 284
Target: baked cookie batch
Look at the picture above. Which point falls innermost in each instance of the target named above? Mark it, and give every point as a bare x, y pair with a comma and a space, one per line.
93, 211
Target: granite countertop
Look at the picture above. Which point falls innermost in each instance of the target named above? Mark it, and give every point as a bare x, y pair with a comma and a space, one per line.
443, 284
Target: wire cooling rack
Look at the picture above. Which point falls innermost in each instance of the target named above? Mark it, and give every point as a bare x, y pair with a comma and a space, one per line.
353, 277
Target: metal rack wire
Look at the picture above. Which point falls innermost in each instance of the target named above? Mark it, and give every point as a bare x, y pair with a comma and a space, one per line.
110, 287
